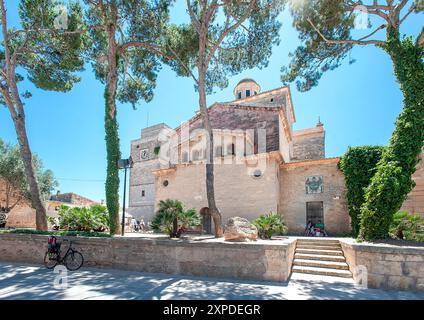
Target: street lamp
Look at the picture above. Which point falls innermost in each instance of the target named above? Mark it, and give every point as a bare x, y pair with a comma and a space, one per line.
124, 164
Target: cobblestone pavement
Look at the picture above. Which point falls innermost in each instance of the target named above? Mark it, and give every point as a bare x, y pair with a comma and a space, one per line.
26, 281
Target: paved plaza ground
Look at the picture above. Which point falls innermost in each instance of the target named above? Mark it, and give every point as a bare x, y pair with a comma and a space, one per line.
26, 281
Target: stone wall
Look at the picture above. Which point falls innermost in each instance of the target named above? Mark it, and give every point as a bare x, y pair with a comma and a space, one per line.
387, 266
415, 201
308, 144
142, 180
257, 261
293, 196
244, 118
237, 191
74, 199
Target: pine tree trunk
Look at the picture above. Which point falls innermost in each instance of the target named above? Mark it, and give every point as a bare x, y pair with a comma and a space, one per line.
112, 135
13, 101
392, 182
36, 198
210, 187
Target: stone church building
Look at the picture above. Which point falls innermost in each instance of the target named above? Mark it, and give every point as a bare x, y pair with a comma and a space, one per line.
261, 165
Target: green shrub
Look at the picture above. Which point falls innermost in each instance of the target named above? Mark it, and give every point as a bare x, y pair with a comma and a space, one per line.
57, 233
173, 219
358, 165
407, 226
3, 219
269, 225
94, 218
51, 220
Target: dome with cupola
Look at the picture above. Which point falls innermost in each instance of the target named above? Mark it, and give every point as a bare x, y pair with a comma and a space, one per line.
246, 87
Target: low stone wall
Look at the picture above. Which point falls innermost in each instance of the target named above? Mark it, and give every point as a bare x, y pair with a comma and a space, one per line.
262, 260
387, 266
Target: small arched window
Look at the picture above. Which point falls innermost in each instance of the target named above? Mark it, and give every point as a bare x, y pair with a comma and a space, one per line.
239, 94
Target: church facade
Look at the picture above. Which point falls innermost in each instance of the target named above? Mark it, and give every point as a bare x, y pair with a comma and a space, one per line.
261, 164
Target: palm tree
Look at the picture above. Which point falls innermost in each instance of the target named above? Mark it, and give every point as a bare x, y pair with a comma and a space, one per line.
173, 219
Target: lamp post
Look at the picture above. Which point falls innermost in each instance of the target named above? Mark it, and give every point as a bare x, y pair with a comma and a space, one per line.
124, 164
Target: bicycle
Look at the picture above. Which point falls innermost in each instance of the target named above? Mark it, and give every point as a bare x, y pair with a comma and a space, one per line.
72, 260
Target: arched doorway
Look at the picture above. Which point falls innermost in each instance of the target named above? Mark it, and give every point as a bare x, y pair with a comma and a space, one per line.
206, 220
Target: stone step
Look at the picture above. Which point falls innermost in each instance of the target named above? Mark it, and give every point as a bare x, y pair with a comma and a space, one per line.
322, 257
313, 246
321, 264
318, 244
322, 271
320, 252
319, 241
307, 277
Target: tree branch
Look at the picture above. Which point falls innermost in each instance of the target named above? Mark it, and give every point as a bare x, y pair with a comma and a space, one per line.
359, 41
193, 17
5, 41
374, 9
420, 39
411, 9
183, 65
153, 47
228, 29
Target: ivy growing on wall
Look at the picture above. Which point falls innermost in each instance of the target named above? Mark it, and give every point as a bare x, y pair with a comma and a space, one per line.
392, 181
112, 177
358, 165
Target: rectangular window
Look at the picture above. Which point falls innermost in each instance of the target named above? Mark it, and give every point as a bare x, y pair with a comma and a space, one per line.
218, 151
143, 193
184, 157
239, 95
231, 149
247, 93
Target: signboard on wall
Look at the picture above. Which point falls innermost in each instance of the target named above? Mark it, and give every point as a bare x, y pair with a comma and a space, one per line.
314, 184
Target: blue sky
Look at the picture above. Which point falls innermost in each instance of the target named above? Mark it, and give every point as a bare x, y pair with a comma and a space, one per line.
357, 103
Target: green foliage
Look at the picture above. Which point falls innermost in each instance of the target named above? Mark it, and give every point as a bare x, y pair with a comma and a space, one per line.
140, 22
407, 226
12, 172
52, 221
392, 181
173, 219
269, 225
358, 165
314, 57
50, 58
249, 46
113, 155
3, 219
58, 233
94, 218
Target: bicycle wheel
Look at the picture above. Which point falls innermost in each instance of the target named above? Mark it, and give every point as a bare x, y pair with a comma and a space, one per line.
50, 260
73, 260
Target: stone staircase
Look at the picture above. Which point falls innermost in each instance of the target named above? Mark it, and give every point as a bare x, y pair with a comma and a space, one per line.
319, 256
